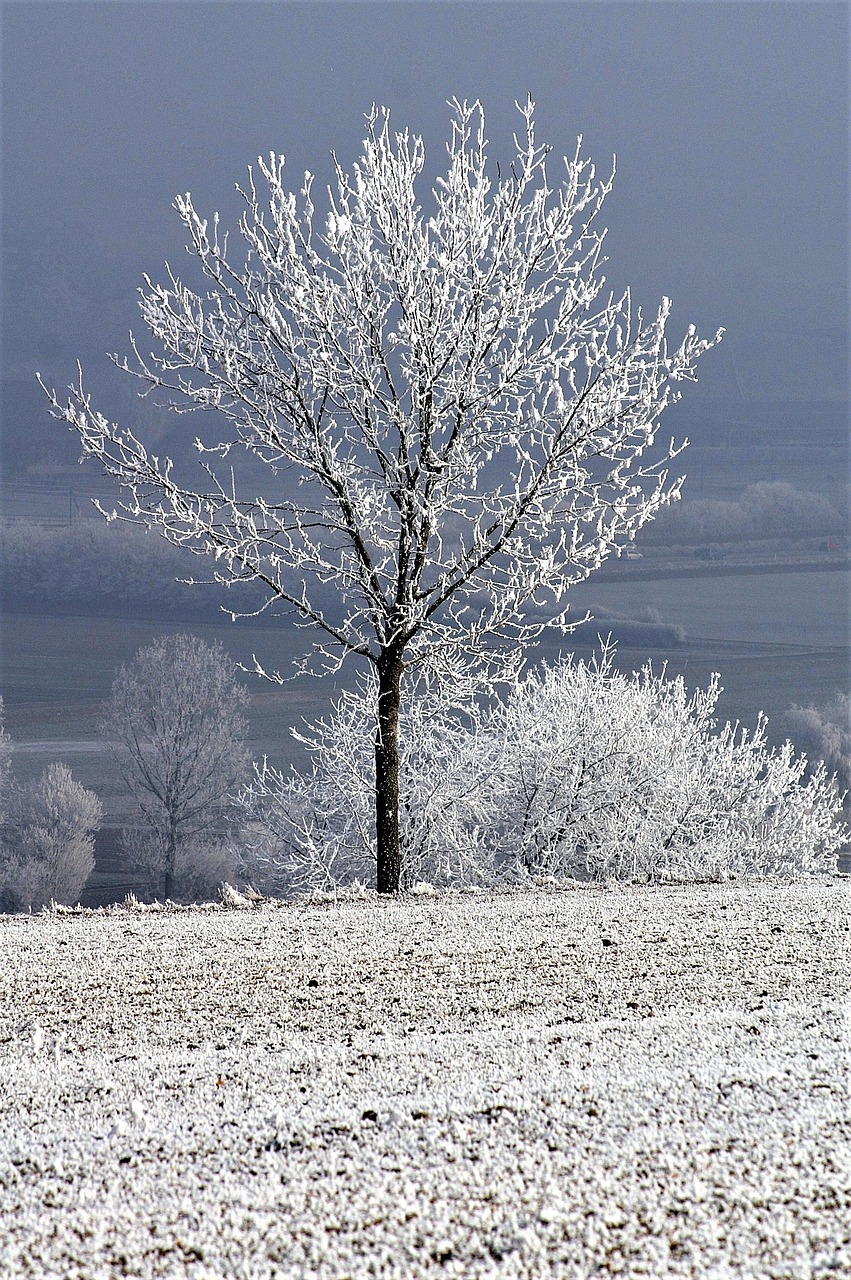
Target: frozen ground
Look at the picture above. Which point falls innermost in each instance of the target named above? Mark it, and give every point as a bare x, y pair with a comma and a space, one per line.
549, 1083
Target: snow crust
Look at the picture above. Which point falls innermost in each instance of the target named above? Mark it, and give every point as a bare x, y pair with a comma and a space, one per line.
640, 1081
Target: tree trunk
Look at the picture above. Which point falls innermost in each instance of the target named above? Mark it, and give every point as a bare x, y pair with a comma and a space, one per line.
168, 868
389, 850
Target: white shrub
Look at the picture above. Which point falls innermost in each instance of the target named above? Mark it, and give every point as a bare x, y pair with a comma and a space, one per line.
825, 734
48, 846
580, 771
612, 776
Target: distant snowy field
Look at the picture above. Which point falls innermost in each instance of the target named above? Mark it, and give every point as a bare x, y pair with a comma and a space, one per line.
560, 1083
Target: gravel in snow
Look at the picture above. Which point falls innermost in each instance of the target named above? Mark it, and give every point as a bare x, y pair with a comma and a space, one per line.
642, 1081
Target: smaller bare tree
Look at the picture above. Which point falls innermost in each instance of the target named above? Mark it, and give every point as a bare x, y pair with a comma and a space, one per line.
175, 720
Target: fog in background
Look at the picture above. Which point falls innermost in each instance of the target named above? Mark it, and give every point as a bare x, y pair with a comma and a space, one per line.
729, 122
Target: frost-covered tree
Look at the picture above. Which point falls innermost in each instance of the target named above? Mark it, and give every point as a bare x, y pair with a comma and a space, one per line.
607, 775
48, 841
175, 720
47, 830
456, 419
767, 509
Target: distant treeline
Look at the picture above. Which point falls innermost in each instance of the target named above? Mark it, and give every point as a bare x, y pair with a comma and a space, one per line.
121, 568
99, 567
768, 509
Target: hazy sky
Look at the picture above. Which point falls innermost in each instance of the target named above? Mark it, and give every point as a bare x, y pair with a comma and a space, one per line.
729, 121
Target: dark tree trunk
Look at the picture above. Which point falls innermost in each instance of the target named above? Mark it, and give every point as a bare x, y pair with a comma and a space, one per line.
389, 850
168, 868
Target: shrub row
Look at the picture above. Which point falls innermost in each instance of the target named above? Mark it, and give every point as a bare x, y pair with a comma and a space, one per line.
579, 772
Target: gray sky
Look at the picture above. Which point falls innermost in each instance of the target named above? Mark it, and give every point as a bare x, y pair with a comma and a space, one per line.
729, 121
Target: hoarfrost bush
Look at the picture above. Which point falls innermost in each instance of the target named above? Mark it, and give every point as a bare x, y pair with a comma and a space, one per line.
580, 771
627, 777
825, 734
48, 843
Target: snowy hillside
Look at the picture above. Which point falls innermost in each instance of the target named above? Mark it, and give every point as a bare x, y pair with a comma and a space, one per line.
643, 1081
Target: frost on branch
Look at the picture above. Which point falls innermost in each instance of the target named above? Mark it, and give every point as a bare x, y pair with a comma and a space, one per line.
468, 412
456, 419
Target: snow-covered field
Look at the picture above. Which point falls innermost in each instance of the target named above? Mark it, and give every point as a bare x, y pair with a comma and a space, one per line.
642, 1081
